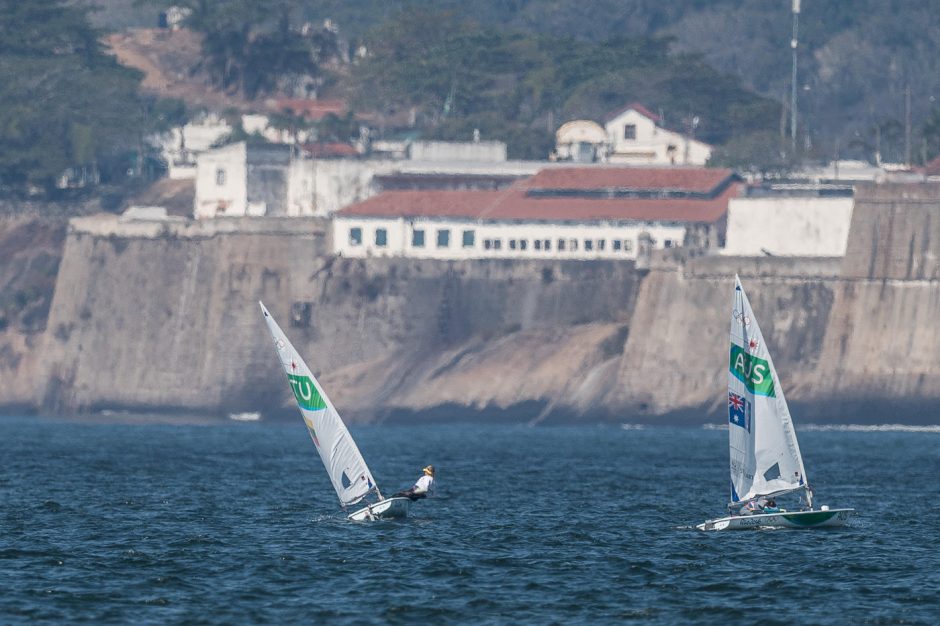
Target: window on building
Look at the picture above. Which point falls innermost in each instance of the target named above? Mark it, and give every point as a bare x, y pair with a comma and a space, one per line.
469, 238
668, 243
561, 245
547, 244
588, 245
220, 176
355, 236
601, 244
616, 245
381, 237
512, 244
537, 244
627, 245
443, 238
523, 244
629, 131
573, 244
497, 244
487, 244
417, 238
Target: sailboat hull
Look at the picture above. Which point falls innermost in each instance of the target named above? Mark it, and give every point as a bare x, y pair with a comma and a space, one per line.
390, 508
795, 519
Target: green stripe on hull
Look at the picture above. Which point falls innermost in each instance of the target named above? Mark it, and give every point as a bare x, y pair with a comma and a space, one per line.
810, 519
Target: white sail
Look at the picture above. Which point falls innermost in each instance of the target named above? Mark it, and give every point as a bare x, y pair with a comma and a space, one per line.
344, 463
765, 456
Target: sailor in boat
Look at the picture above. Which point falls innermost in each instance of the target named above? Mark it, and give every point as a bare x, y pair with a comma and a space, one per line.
422, 486
771, 506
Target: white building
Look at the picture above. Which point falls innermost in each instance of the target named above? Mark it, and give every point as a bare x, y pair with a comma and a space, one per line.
180, 147
462, 151
789, 225
581, 141
634, 137
238, 180
567, 213
316, 184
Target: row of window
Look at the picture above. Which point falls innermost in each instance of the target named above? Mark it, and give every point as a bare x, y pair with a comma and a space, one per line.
469, 239
562, 245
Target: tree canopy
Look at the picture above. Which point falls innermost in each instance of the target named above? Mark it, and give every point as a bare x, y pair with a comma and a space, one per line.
254, 47
459, 75
64, 102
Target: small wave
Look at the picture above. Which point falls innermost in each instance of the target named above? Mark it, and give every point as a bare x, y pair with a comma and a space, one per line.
247, 416
873, 428
633, 426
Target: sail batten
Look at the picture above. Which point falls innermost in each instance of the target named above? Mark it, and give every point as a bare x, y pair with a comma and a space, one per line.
347, 470
764, 453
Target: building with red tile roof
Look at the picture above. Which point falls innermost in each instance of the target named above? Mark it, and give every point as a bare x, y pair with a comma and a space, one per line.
583, 212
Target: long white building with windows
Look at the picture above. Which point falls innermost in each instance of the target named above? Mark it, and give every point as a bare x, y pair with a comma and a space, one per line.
573, 213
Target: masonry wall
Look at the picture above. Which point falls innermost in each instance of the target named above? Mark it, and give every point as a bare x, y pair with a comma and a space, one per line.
163, 316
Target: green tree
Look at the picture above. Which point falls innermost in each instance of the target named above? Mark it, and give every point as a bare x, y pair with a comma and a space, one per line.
63, 101
250, 46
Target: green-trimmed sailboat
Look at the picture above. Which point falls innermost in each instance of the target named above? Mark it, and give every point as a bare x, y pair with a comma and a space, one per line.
348, 471
765, 456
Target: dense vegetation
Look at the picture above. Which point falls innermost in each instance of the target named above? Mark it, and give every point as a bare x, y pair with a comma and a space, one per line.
253, 47
457, 75
64, 103
857, 59
514, 69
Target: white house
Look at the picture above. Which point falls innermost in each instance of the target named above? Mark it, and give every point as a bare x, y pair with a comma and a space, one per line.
239, 179
566, 213
789, 225
634, 137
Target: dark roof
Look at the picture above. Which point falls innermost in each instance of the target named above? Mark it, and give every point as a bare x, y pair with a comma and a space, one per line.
325, 150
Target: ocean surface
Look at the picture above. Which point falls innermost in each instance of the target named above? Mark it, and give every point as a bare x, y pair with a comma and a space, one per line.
230, 523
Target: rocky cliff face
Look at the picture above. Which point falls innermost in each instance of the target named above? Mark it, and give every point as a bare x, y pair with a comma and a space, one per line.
164, 317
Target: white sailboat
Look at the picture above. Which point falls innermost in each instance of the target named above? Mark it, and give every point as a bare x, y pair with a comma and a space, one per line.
765, 456
348, 471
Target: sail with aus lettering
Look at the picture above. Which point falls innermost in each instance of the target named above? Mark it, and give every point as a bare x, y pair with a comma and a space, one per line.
347, 470
765, 459
765, 456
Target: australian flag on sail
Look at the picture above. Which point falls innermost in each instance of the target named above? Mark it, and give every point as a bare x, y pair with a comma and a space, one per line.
739, 411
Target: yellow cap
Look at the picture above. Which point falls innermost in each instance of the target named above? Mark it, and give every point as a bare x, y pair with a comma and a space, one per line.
429, 470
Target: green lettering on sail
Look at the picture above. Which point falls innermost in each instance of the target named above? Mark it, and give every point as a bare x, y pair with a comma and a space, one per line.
306, 393
752, 371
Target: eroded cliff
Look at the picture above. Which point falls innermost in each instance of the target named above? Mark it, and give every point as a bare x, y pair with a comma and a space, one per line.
163, 316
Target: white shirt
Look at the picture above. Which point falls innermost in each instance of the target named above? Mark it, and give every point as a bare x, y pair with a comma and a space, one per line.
424, 484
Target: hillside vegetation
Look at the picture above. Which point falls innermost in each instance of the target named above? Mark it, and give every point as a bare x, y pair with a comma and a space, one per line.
857, 59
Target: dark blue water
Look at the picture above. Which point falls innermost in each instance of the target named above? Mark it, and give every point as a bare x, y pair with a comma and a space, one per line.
237, 523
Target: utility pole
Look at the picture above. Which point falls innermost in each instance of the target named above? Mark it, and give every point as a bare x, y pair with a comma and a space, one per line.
907, 126
793, 49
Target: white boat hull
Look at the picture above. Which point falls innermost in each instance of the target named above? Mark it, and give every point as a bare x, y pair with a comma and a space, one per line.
389, 508
786, 519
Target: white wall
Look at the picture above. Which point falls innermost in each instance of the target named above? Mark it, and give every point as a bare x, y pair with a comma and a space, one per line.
399, 233
482, 151
788, 226
231, 196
